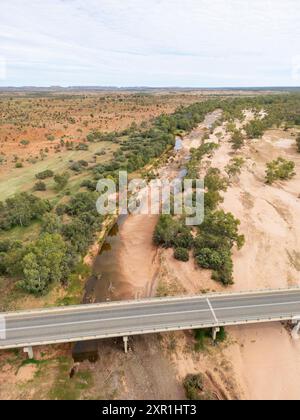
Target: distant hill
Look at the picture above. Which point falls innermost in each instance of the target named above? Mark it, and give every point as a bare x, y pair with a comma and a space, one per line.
141, 89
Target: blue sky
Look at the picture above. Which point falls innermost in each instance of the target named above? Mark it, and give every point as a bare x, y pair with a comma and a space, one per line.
201, 43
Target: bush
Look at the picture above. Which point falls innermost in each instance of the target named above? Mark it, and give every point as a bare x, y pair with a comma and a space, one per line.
19, 165
234, 167
61, 181
170, 232
82, 146
237, 140
209, 258
78, 166
40, 186
181, 254
298, 142
193, 385
21, 210
90, 185
24, 142
166, 230
212, 247
45, 174
280, 169
43, 264
183, 239
255, 129
213, 180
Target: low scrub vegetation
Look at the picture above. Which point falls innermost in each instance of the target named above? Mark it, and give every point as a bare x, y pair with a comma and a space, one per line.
279, 169
237, 140
298, 142
234, 167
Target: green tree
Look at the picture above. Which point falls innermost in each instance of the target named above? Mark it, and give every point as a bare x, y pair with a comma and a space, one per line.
234, 167
279, 169
237, 140
225, 226
61, 181
51, 223
255, 129
21, 210
43, 263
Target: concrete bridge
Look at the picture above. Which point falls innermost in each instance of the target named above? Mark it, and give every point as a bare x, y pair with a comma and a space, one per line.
127, 318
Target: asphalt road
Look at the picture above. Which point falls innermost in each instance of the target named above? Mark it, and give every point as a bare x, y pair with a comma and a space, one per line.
86, 322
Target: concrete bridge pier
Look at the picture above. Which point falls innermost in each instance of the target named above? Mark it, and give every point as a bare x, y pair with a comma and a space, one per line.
125, 339
29, 351
215, 331
296, 331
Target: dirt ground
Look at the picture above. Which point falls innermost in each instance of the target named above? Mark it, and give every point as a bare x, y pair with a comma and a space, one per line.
43, 120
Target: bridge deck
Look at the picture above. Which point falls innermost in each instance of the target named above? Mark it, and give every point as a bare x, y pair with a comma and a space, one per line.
114, 319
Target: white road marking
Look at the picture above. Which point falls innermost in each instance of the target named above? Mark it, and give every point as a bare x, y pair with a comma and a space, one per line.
58, 324
109, 306
212, 311
258, 306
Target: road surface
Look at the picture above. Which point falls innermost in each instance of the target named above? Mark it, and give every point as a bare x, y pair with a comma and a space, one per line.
117, 319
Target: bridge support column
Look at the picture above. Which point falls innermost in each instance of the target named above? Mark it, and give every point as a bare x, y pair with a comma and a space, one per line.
215, 331
296, 331
29, 351
125, 339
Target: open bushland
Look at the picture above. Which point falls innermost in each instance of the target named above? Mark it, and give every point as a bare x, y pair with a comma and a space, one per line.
249, 160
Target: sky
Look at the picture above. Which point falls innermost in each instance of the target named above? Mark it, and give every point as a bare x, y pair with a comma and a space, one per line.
188, 43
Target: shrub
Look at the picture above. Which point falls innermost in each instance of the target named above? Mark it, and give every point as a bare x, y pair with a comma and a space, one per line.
213, 180
40, 186
90, 185
183, 239
181, 254
166, 230
170, 232
24, 142
280, 169
255, 129
298, 142
237, 140
21, 210
209, 258
61, 181
43, 263
19, 165
234, 167
82, 146
51, 223
45, 174
193, 385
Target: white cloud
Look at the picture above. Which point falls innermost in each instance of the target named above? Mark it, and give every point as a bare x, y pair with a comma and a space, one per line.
149, 42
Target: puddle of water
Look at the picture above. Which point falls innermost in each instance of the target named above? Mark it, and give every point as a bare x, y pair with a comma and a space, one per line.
104, 285
85, 350
178, 144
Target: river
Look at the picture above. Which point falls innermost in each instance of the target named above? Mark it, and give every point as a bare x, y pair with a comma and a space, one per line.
127, 265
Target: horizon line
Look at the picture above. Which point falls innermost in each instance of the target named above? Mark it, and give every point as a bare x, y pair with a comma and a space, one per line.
147, 87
